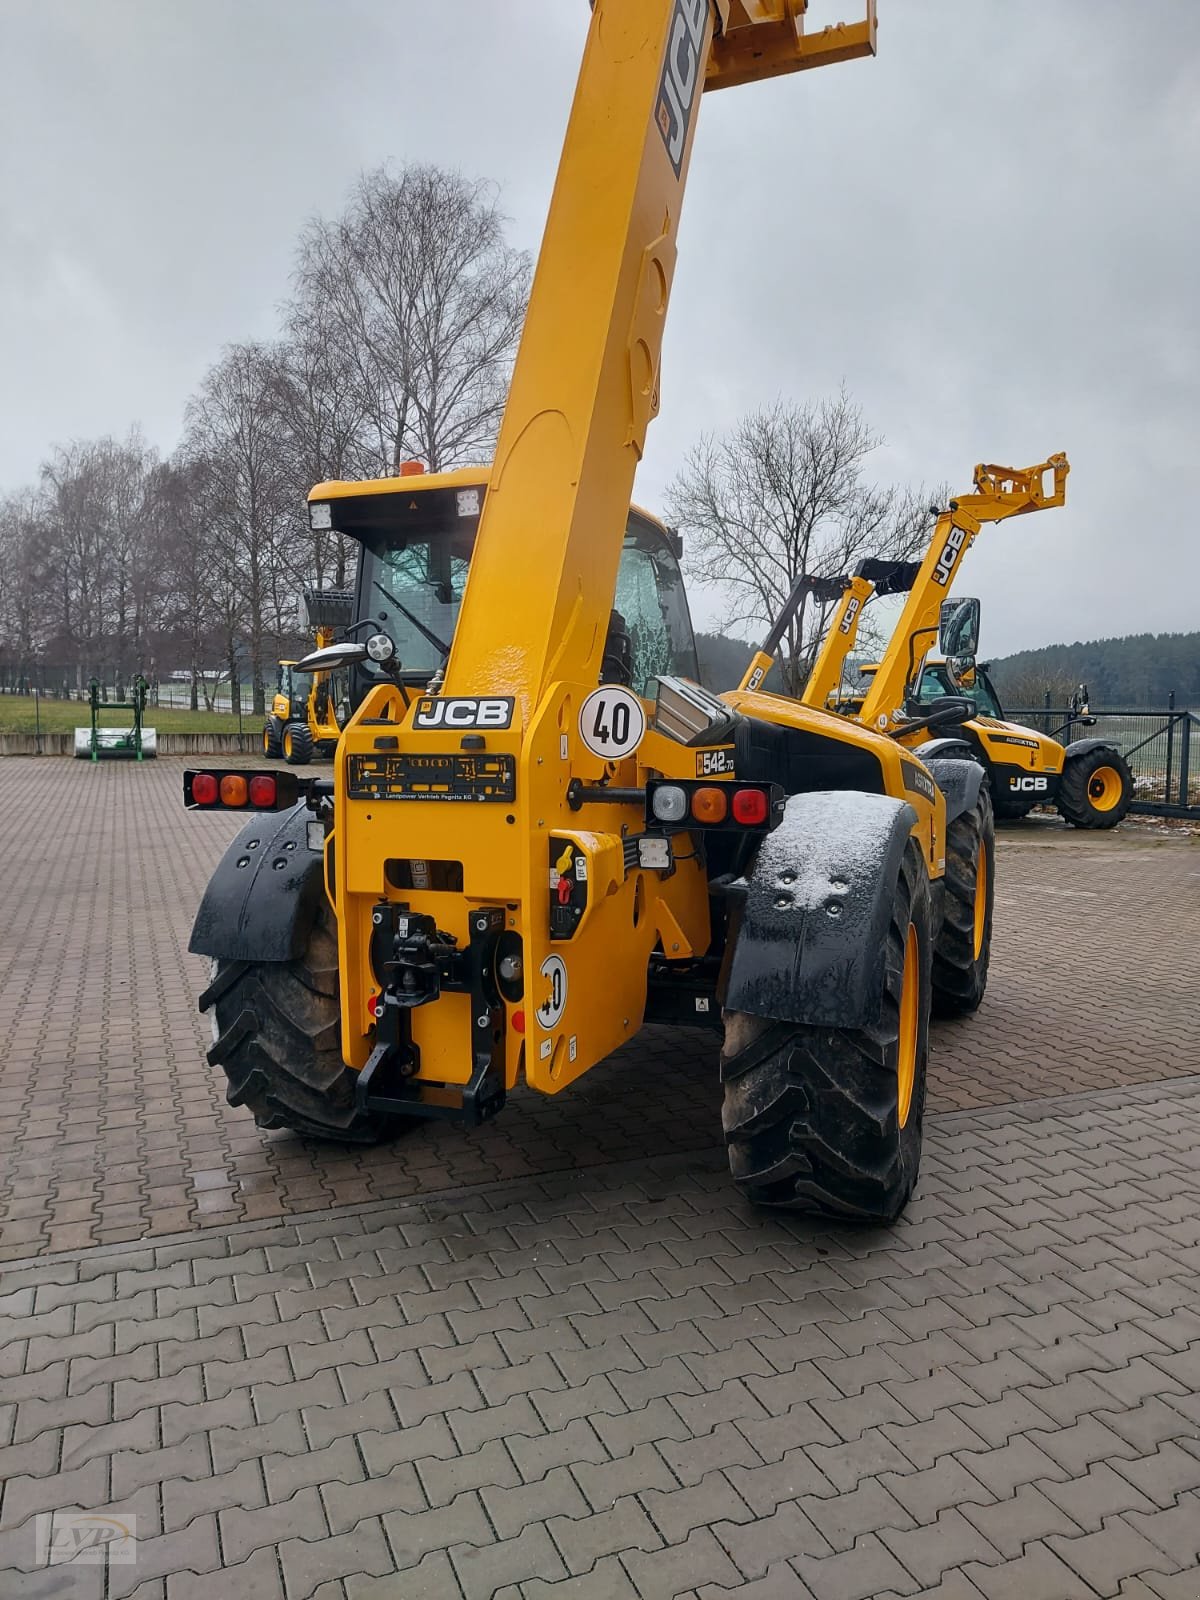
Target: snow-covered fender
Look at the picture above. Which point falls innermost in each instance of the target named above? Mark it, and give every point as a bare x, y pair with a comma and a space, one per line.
1080, 747
810, 919
262, 900
960, 781
949, 746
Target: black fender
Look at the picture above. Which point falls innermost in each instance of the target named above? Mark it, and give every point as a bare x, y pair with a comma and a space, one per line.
959, 781
810, 918
262, 900
1081, 747
932, 749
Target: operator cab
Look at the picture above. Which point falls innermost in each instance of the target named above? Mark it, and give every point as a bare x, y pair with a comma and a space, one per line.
294, 687
938, 680
417, 535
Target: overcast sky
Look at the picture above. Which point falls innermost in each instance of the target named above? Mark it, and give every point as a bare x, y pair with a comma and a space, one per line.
989, 233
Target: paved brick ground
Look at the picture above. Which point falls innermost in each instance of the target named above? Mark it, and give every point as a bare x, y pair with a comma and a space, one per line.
623, 1383
559, 1358
116, 1128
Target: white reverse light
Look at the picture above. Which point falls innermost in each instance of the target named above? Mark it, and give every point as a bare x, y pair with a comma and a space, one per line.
670, 804
320, 516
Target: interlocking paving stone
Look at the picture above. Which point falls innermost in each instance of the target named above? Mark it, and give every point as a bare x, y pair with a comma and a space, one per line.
560, 1357
158, 1142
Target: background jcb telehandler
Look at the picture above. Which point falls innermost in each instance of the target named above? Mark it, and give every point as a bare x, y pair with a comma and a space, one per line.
308, 707
540, 832
1088, 780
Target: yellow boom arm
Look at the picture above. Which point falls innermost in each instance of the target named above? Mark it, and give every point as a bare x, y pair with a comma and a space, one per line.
826, 674
586, 381
1000, 492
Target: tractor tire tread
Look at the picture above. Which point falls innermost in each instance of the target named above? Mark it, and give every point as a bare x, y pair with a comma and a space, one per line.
959, 975
301, 744
1074, 804
277, 1036
810, 1113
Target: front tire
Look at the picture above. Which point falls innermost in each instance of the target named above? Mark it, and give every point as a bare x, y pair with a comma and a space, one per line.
297, 745
830, 1120
1096, 789
272, 738
277, 1035
964, 944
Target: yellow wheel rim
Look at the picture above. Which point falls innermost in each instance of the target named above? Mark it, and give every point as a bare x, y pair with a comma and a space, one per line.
287, 745
981, 897
1104, 788
906, 1053
266, 743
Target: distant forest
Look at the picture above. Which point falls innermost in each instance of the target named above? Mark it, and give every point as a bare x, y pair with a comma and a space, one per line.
1139, 670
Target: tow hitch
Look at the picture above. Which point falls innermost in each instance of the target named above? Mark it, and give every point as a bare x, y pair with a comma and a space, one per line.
415, 963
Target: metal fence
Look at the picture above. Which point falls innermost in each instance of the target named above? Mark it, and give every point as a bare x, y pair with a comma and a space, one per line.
71, 683
1161, 747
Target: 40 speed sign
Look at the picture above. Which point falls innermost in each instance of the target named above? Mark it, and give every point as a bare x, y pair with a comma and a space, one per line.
612, 722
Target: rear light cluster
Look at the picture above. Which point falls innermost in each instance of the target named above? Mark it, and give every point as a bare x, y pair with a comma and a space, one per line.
234, 791
714, 805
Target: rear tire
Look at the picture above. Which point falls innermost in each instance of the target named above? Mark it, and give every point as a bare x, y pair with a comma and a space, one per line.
830, 1119
1096, 788
273, 738
963, 947
277, 1034
297, 745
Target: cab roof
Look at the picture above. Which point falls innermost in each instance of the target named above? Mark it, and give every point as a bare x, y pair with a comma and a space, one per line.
424, 483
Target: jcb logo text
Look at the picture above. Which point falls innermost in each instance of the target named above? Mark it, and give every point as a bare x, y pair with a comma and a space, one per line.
950, 554
681, 76
456, 714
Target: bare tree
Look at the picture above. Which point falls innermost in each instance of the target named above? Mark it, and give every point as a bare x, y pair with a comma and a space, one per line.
246, 503
99, 545
1028, 685
784, 494
321, 413
416, 295
23, 611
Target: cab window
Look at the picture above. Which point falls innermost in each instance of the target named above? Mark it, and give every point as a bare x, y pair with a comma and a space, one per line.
653, 606
418, 577
935, 682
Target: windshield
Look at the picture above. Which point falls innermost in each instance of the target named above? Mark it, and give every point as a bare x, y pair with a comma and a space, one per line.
935, 682
413, 589
412, 585
652, 603
296, 685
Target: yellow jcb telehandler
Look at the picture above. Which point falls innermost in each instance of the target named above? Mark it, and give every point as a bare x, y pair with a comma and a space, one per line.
1088, 780
540, 832
308, 707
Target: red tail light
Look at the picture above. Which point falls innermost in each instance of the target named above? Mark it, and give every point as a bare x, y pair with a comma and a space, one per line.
265, 791
750, 807
204, 789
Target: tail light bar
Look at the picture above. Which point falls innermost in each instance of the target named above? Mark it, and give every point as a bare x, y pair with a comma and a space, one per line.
740, 807
219, 789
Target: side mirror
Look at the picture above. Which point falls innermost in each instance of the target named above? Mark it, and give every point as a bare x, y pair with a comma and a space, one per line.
958, 627
332, 656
